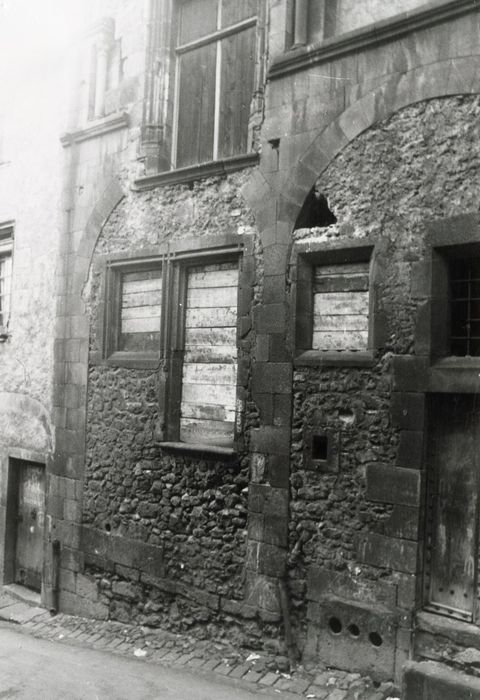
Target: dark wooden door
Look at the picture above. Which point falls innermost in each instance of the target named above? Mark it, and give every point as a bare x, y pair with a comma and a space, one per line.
30, 523
454, 468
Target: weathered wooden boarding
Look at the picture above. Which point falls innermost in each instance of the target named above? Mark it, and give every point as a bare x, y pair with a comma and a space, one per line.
210, 355
141, 310
341, 304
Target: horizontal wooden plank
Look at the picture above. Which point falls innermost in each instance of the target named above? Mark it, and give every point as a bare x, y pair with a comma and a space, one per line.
357, 322
353, 340
211, 336
209, 373
149, 298
140, 342
353, 283
208, 297
342, 269
142, 285
207, 432
214, 279
207, 394
340, 303
143, 275
211, 318
210, 412
140, 325
153, 311
226, 354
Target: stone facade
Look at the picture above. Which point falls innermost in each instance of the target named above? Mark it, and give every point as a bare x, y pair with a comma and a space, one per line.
311, 531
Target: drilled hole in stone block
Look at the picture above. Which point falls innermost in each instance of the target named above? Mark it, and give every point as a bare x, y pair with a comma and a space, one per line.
108, 527
320, 447
335, 625
375, 639
354, 631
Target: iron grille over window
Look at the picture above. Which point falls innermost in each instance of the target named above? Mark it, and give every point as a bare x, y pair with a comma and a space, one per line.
215, 77
465, 306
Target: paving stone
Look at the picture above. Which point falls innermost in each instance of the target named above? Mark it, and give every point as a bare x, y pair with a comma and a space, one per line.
269, 679
182, 659
283, 684
299, 685
211, 664
240, 670
253, 676
223, 669
195, 662
317, 692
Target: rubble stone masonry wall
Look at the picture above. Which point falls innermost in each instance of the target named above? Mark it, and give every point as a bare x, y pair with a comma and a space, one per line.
190, 512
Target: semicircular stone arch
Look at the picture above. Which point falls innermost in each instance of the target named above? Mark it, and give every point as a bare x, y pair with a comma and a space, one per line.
445, 79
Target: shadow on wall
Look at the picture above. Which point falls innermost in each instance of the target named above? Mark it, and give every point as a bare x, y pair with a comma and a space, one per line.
315, 211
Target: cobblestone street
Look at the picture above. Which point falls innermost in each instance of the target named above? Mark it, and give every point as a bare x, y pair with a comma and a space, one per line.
206, 659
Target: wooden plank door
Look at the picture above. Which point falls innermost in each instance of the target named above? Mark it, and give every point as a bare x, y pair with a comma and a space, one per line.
452, 545
30, 522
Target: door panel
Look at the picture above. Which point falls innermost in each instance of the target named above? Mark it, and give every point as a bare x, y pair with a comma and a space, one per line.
454, 483
30, 522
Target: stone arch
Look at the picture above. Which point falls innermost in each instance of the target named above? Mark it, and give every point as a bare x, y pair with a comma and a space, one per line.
443, 79
110, 199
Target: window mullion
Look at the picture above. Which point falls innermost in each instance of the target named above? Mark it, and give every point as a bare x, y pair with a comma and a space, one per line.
218, 86
176, 93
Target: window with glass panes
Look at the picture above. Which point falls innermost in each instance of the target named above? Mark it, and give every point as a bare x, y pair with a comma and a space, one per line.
214, 79
465, 306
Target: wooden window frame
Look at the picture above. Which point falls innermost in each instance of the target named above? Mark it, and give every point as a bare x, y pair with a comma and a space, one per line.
305, 258
174, 385
111, 352
175, 259
6, 252
214, 37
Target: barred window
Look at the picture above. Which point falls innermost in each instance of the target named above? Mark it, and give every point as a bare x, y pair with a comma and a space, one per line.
464, 306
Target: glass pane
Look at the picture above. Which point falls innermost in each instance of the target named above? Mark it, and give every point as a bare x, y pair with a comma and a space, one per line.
234, 11
141, 307
197, 18
238, 66
196, 106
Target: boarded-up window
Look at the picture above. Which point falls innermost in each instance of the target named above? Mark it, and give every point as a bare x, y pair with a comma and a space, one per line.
341, 303
6, 243
215, 79
140, 312
210, 356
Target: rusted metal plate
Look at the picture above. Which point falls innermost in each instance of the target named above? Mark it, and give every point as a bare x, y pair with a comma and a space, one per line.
454, 461
30, 525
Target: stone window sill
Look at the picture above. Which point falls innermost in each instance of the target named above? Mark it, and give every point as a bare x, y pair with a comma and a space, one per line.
212, 451
197, 172
369, 36
455, 375
95, 128
334, 358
